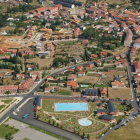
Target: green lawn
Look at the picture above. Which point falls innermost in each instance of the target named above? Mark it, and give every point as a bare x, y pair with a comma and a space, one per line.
64, 92
2, 106
120, 107
5, 54
5, 129
118, 118
26, 139
7, 101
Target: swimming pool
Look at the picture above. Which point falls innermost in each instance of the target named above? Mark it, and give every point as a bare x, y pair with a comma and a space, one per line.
70, 107
84, 85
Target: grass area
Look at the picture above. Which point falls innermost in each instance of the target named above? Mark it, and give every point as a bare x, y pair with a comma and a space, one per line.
2, 106
7, 101
46, 132
120, 107
5, 54
64, 92
26, 139
87, 79
69, 42
5, 129
118, 118
96, 85
129, 132
122, 93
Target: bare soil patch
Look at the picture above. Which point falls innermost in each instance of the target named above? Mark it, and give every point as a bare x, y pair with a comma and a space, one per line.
122, 93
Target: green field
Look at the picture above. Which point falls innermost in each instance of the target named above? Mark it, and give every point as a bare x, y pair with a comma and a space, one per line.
2, 106
64, 92
7, 101
6, 129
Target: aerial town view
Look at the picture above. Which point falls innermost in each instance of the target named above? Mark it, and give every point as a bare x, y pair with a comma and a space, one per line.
69, 69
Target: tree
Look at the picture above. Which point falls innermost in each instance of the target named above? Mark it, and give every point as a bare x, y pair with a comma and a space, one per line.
53, 27
37, 117
43, 57
83, 134
8, 92
53, 122
130, 106
124, 102
58, 62
136, 59
88, 136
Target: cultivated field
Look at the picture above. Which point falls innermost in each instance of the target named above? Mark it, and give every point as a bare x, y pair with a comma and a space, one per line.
122, 93
87, 79
129, 132
42, 62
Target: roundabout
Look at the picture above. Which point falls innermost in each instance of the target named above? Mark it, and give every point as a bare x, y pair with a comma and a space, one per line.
85, 122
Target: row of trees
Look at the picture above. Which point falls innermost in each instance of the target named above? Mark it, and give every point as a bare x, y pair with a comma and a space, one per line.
3, 19
21, 8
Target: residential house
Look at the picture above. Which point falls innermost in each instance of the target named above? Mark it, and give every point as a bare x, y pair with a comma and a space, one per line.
111, 110
93, 56
72, 84
50, 78
117, 57
20, 76
98, 62
77, 59
49, 89
35, 75
138, 88
81, 73
26, 52
90, 92
103, 92
71, 77
79, 68
137, 66
109, 118
133, 52
71, 70
137, 79
11, 88
137, 43
117, 83
30, 67
103, 54
26, 85
90, 65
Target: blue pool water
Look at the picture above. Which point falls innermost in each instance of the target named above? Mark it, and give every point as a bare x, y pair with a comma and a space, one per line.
89, 52
71, 107
84, 85
85, 122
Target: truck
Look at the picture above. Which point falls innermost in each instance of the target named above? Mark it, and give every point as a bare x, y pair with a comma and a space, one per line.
25, 116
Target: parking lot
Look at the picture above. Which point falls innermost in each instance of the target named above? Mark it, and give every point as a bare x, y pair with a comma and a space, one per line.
27, 132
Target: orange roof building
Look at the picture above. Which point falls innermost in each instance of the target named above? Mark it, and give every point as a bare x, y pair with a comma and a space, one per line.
72, 84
